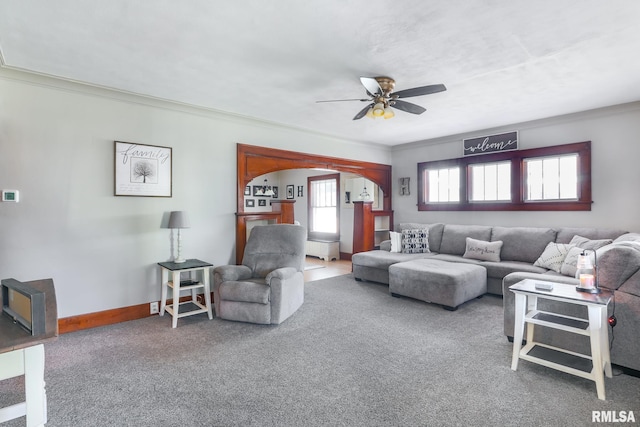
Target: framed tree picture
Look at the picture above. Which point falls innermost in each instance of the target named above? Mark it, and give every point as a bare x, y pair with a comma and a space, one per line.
142, 170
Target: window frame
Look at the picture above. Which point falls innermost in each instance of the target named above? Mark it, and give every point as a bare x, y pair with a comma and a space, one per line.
518, 181
315, 235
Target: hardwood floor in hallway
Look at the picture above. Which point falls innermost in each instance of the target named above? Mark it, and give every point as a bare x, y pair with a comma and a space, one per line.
324, 269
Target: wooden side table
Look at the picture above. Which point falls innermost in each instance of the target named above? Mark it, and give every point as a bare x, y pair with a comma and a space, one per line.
23, 354
592, 367
171, 279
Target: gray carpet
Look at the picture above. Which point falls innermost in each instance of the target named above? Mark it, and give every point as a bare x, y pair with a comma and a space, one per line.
351, 356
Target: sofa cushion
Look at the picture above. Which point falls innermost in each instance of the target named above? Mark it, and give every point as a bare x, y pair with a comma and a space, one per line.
570, 263
247, 291
628, 237
457, 258
567, 233
522, 243
584, 243
500, 269
415, 241
435, 233
383, 259
454, 237
553, 256
482, 250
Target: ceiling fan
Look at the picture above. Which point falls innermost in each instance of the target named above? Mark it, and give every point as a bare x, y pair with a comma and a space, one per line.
382, 99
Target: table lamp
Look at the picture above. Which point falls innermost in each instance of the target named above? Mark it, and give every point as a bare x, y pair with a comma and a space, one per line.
179, 220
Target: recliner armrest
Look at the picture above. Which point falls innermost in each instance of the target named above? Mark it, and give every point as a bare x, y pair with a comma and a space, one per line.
225, 273
283, 273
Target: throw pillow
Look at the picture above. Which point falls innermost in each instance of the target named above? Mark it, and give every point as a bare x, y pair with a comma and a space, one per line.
415, 241
570, 264
396, 241
482, 250
553, 256
584, 243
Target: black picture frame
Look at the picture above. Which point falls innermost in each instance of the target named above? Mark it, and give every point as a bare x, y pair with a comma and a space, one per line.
262, 202
256, 188
247, 190
290, 192
300, 190
250, 203
275, 192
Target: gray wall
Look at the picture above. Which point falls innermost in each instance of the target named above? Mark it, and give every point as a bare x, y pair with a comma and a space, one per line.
56, 148
615, 150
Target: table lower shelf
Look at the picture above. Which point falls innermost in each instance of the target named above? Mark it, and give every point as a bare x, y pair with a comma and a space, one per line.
562, 360
200, 309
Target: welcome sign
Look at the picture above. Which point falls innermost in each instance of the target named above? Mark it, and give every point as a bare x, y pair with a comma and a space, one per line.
490, 144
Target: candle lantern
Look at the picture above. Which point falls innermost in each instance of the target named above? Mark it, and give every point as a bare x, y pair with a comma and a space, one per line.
587, 273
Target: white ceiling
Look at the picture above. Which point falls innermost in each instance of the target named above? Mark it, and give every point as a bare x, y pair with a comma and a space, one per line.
503, 61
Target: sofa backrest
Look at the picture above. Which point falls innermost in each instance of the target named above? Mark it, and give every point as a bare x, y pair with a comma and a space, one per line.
565, 234
523, 243
454, 237
435, 233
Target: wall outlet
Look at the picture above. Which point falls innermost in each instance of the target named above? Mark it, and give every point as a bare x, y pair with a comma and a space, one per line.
153, 307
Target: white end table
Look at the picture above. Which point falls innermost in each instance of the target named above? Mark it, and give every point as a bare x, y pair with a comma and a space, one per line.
174, 269
595, 327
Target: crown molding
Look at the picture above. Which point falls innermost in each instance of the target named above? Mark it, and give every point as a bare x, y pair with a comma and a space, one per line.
532, 124
75, 86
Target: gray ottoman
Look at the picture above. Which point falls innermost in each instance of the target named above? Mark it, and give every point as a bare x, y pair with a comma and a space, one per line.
447, 283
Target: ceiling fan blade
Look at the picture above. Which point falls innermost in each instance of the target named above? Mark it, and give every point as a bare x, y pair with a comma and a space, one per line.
371, 85
341, 100
418, 91
362, 112
408, 107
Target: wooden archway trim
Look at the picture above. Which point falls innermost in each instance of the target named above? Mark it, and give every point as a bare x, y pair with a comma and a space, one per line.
254, 161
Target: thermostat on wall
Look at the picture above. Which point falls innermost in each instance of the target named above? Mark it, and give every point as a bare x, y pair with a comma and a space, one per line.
10, 195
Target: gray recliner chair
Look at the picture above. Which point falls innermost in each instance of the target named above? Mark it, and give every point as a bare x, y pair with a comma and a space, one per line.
269, 285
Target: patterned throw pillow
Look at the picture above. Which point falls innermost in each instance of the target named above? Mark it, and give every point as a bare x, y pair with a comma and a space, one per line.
482, 250
553, 256
415, 241
570, 264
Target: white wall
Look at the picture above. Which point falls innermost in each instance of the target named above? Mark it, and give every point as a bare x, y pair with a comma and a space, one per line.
56, 148
615, 158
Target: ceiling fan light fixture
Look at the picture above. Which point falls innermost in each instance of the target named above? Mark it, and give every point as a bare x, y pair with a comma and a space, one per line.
388, 113
370, 113
378, 110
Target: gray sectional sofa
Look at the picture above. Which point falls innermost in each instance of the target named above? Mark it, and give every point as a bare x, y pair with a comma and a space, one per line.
522, 247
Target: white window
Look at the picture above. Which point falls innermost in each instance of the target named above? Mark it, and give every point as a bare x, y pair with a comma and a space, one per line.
490, 182
552, 178
444, 185
323, 207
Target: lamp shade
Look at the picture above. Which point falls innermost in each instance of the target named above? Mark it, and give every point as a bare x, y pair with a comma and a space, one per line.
179, 219
378, 109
